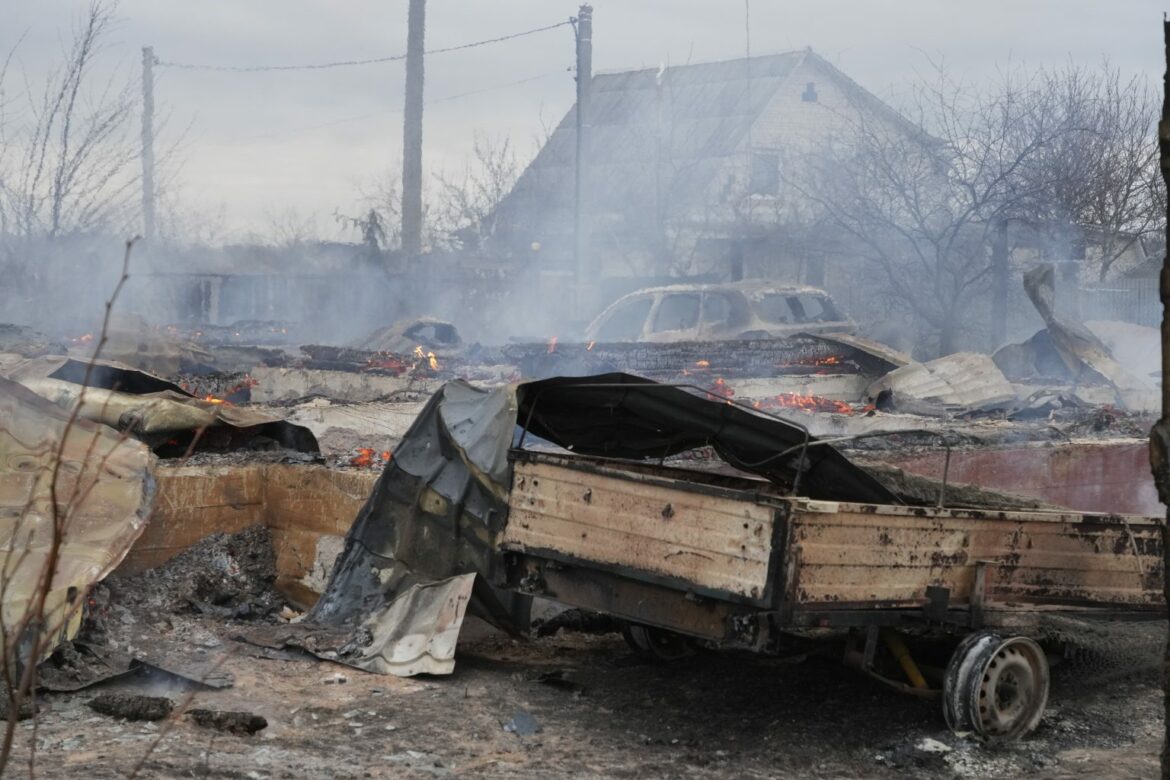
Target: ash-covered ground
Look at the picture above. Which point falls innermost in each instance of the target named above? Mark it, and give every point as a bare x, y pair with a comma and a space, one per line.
573, 704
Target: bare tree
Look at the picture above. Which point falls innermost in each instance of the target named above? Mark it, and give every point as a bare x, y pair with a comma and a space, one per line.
69, 167
920, 201
1097, 182
382, 201
465, 204
288, 228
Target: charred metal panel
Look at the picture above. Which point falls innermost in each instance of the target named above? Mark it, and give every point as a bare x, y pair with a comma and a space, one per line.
633, 600
717, 542
844, 555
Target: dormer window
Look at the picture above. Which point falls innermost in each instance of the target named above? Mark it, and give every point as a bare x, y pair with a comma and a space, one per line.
810, 92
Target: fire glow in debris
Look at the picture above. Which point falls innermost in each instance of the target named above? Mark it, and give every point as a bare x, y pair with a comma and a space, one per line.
366, 457
806, 403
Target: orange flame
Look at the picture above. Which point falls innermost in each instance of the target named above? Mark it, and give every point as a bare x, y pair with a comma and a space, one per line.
806, 403
722, 389
589, 346
552, 345
822, 363
432, 361
704, 364
365, 457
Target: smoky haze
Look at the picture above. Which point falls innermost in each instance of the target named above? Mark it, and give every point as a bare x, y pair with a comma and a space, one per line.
296, 159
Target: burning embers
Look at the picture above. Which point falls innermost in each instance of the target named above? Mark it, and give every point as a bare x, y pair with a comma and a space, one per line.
213, 392
368, 457
419, 360
432, 362
818, 364
805, 403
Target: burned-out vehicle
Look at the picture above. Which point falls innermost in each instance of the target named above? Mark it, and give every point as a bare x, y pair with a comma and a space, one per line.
694, 519
737, 310
403, 337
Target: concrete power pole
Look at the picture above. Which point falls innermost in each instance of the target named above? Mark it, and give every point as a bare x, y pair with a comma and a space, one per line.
148, 142
412, 133
585, 271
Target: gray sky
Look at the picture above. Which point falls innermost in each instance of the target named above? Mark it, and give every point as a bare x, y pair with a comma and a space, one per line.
264, 146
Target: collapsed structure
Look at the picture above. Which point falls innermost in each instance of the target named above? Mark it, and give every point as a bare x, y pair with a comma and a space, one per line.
731, 496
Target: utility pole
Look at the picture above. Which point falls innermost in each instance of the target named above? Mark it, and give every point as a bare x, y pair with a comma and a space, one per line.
148, 142
585, 271
412, 133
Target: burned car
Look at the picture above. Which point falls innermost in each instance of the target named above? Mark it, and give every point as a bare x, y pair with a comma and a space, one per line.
404, 336
718, 312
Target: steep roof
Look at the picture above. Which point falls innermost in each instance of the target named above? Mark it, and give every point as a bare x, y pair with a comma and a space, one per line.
679, 123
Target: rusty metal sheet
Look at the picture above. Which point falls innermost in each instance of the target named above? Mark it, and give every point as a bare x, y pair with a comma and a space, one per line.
153, 409
964, 380
104, 493
719, 542
856, 554
414, 634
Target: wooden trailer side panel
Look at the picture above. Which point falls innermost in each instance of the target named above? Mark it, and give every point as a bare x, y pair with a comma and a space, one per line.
842, 555
712, 539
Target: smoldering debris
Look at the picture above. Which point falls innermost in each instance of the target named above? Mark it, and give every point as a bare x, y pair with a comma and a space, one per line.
132, 706
159, 619
580, 621
231, 721
152, 409
223, 575
29, 343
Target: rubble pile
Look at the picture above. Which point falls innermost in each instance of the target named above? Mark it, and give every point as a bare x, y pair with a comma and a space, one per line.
223, 575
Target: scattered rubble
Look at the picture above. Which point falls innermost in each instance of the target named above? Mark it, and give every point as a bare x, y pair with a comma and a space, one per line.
394, 601
233, 722
132, 706
223, 575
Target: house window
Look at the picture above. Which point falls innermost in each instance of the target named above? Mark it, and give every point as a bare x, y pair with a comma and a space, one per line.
765, 174
810, 92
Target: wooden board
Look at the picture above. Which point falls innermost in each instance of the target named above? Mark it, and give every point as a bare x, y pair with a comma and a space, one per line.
715, 540
194, 502
849, 554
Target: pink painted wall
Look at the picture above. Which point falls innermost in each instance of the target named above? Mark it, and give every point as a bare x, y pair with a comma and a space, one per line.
1109, 476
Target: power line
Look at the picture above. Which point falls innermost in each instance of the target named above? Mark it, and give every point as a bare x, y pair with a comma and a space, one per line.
390, 112
349, 63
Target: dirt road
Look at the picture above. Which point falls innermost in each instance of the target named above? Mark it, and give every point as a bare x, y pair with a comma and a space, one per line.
608, 714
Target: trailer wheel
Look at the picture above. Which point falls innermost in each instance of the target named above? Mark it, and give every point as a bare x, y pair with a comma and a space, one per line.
655, 643
995, 687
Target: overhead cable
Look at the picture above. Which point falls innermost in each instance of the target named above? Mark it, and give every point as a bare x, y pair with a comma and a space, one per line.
350, 63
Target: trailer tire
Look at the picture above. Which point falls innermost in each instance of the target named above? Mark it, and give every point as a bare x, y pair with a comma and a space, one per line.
657, 644
995, 687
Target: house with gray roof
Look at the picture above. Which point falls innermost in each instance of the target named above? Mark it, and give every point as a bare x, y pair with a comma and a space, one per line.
686, 171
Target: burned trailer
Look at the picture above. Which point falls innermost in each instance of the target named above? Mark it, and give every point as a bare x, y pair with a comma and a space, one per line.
694, 519
787, 537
